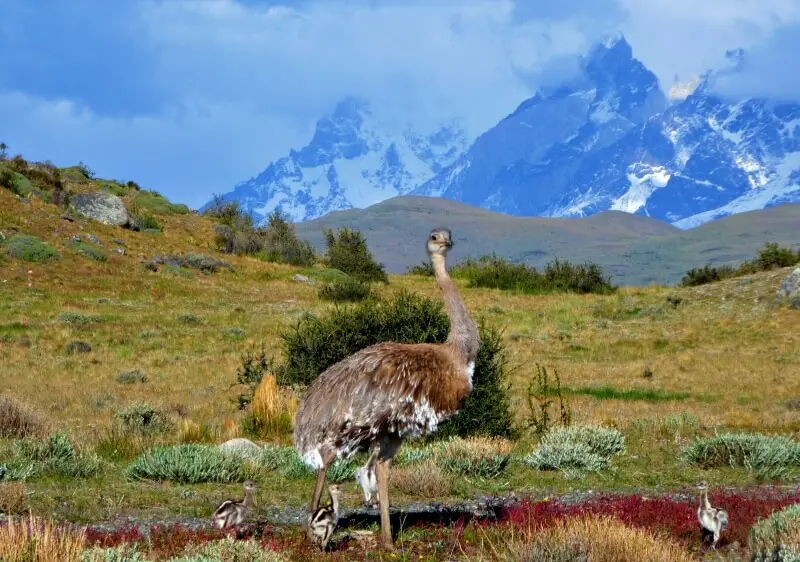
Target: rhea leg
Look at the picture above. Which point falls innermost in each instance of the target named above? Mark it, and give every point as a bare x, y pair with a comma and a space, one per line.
388, 449
318, 489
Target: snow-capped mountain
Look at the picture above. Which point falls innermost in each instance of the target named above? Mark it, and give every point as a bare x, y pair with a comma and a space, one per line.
352, 161
609, 140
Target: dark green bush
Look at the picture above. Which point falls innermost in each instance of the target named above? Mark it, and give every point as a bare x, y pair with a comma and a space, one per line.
146, 222
250, 373
316, 343
706, 274
351, 290
144, 419
280, 243
425, 268
30, 248
131, 376
493, 272
89, 251
771, 256
347, 251
78, 346
8, 180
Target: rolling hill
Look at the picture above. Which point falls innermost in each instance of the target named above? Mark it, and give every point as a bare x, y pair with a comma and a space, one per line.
636, 250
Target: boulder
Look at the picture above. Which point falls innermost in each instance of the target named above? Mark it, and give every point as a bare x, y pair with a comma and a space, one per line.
102, 207
239, 446
790, 286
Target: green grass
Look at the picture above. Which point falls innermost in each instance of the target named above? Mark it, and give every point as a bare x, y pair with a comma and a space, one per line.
190, 464
157, 204
89, 251
644, 394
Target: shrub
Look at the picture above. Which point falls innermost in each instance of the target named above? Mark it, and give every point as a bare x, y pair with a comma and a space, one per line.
767, 455
78, 346
706, 274
141, 223
250, 373
316, 343
8, 180
771, 256
576, 448
481, 457
777, 537
188, 319
228, 550
13, 499
541, 391
425, 269
131, 376
30, 248
40, 540
595, 538
73, 317
19, 422
190, 464
347, 251
493, 272
280, 243
351, 290
144, 419
272, 410
146, 202
54, 456
425, 480
89, 251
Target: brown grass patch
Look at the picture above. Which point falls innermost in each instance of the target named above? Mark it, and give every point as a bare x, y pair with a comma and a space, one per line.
596, 539
41, 540
13, 498
424, 480
18, 421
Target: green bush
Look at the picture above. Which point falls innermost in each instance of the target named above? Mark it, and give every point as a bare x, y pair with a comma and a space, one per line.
576, 448
347, 251
144, 419
153, 202
228, 549
54, 456
345, 291
768, 455
706, 274
776, 538
316, 343
771, 256
73, 317
190, 464
145, 222
30, 248
8, 180
89, 251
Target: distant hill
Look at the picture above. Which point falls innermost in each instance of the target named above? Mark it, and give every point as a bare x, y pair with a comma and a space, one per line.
636, 250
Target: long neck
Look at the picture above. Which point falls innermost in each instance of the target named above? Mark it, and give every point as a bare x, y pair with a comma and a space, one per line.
248, 498
704, 503
463, 331
335, 503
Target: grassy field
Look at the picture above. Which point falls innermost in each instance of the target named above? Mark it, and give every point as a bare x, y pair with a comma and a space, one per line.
663, 365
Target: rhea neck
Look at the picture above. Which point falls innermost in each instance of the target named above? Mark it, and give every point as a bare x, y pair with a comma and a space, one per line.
335, 503
704, 503
463, 331
248, 498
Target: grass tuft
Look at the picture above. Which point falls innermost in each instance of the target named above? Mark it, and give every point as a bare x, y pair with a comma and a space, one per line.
770, 456
576, 448
18, 421
40, 540
190, 464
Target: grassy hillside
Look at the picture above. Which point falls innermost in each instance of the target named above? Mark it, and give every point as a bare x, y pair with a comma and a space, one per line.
662, 365
635, 250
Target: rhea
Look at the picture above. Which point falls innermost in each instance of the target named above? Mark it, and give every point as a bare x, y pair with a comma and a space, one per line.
322, 522
389, 392
712, 520
234, 512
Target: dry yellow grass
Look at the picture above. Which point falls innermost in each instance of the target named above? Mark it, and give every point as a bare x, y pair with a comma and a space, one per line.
596, 539
13, 499
422, 480
39, 540
273, 409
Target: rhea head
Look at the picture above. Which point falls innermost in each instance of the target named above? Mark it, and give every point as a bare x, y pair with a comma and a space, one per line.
702, 485
249, 486
440, 240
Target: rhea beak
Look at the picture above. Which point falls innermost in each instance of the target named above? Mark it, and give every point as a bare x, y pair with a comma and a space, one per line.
448, 244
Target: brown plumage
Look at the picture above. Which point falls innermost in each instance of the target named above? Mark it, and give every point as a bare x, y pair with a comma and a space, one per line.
232, 512
388, 392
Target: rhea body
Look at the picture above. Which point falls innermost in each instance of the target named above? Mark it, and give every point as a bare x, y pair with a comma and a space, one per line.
712, 519
389, 392
233, 512
322, 522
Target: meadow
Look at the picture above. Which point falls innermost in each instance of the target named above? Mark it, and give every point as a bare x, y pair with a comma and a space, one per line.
104, 360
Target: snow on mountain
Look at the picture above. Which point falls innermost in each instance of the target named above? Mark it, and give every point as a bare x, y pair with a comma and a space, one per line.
609, 140
352, 160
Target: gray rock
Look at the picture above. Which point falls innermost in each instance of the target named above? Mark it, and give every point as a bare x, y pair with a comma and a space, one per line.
790, 286
106, 208
94, 239
303, 279
239, 446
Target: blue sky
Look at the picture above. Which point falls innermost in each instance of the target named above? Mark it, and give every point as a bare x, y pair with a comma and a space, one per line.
191, 96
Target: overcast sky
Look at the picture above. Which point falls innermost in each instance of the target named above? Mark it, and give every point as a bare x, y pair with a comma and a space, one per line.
191, 96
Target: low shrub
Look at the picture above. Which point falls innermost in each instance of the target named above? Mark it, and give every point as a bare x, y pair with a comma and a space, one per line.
144, 419
424, 480
540, 397
706, 274
131, 376
347, 251
30, 248
75, 318
316, 343
253, 368
770, 456
18, 421
89, 251
771, 256
8, 180
576, 448
78, 346
228, 550
345, 291
40, 540
142, 223
776, 538
190, 464
13, 499
54, 456
595, 538
188, 319
146, 202
477, 456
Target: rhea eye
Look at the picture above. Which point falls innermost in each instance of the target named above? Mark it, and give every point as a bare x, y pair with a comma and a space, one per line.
433, 237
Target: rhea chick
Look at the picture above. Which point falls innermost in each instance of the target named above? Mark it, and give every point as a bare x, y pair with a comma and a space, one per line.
322, 522
713, 520
233, 512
